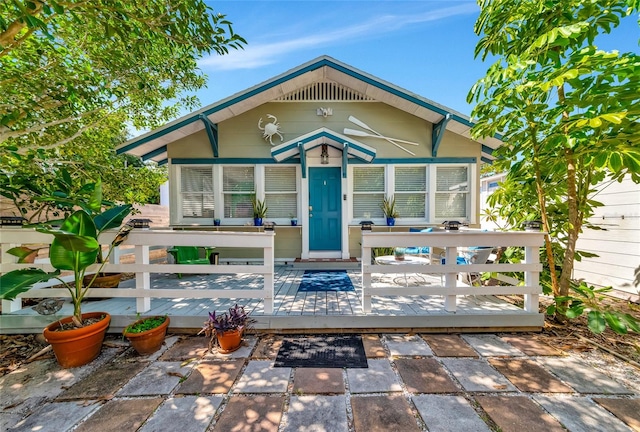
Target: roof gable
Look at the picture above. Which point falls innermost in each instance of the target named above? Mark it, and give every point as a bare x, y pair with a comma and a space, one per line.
290, 86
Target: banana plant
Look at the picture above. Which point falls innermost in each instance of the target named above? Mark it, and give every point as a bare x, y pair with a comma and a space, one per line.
74, 248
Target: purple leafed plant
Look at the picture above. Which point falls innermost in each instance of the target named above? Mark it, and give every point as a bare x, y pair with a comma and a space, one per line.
235, 319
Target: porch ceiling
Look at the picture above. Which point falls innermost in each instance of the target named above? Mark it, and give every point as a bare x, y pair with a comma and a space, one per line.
321, 136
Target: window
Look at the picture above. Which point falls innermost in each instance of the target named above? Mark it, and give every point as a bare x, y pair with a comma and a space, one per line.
196, 190
238, 188
368, 192
410, 191
281, 195
452, 192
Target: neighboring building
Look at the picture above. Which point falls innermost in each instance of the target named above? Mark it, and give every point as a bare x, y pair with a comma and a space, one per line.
323, 142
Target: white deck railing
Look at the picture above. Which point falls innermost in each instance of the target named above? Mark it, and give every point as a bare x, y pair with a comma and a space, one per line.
450, 242
142, 240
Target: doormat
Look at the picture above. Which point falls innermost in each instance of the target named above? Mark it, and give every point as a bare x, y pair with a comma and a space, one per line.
344, 351
325, 280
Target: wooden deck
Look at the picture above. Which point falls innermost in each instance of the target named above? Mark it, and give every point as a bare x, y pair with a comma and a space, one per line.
296, 311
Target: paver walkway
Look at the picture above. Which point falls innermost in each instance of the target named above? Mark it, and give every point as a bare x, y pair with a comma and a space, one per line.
414, 382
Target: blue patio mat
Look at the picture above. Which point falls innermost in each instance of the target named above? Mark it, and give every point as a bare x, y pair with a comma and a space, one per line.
323, 280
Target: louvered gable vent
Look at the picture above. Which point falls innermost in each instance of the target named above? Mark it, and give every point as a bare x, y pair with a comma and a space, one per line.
325, 91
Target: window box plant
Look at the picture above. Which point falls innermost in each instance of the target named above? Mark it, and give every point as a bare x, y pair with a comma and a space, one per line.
225, 330
75, 340
259, 210
388, 207
146, 335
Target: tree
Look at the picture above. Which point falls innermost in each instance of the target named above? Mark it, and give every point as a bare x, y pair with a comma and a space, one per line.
65, 66
569, 114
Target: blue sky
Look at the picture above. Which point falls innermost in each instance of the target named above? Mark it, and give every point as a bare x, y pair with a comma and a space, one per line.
424, 46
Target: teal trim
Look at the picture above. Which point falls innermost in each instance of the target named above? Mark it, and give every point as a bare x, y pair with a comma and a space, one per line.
290, 147
437, 133
158, 134
303, 159
324, 134
486, 160
219, 161
487, 150
156, 152
345, 159
212, 133
415, 161
163, 162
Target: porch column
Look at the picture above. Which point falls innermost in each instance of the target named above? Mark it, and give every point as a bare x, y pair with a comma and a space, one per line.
531, 279
143, 279
450, 279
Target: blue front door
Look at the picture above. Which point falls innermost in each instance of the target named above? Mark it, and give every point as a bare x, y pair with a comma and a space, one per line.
325, 209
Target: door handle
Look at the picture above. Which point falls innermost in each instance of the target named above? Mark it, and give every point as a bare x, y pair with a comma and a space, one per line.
310, 208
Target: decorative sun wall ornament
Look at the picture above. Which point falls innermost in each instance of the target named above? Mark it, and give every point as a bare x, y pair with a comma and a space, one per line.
394, 141
270, 129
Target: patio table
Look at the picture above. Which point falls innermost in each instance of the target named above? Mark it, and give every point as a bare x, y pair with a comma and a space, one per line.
408, 259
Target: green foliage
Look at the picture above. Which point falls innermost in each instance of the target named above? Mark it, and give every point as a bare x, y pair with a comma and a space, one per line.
75, 247
388, 207
145, 324
259, 207
569, 112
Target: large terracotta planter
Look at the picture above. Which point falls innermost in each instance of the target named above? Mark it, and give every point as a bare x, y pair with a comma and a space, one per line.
150, 341
79, 346
104, 280
229, 341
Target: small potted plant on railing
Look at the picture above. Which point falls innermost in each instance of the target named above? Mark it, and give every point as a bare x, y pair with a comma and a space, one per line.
388, 207
259, 210
226, 330
294, 220
146, 335
75, 340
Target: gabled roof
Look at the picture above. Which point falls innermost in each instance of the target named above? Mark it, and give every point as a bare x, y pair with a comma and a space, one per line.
153, 145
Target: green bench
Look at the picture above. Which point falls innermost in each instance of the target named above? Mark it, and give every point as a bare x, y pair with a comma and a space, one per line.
189, 255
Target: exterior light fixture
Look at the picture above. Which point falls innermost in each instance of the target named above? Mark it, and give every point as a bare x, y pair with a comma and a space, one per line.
534, 225
324, 155
366, 225
269, 226
451, 225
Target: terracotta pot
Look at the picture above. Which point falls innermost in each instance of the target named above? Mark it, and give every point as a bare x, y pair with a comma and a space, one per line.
229, 341
150, 341
105, 280
79, 346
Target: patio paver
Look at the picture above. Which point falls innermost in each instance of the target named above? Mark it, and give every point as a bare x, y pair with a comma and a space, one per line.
489, 345
261, 377
318, 381
267, 348
531, 346
529, 376
582, 377
55, 417
477, 376
407, 345
373, 347
251, 414
160, 378
120, 415
104, 382
189, 413
443, 413
378, 377
425, 376
382, 414
627, 410
581, 414
444, 345
185, 349
212, 377
518, 414
317, 413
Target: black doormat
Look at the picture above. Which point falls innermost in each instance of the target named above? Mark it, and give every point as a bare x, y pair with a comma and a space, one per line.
325, 280
344, 351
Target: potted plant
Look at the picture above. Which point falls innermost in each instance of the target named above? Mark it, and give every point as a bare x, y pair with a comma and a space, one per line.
259, 210
75, 340
226, 330
294, 220
388, 207
146, 335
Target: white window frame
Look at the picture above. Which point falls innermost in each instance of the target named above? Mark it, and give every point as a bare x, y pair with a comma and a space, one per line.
470, 193
257, 176
356, 220
261, 185
178, 216
403, 220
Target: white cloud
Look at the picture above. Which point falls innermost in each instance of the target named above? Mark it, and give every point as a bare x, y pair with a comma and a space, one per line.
261, 54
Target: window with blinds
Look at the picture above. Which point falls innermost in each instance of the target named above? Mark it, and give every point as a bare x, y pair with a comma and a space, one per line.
452, 192
410, 191
238, 186
196, 189
280, 191
368, 192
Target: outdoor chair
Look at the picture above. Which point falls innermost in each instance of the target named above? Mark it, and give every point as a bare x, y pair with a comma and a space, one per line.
422, 251
474, 255
189, 255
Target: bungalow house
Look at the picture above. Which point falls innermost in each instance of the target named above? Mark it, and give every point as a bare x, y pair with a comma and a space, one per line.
324, 143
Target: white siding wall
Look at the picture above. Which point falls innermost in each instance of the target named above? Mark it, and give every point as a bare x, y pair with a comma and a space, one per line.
618, 244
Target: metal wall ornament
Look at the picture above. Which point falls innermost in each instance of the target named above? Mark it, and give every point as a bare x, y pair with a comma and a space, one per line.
374, 134
270, 129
